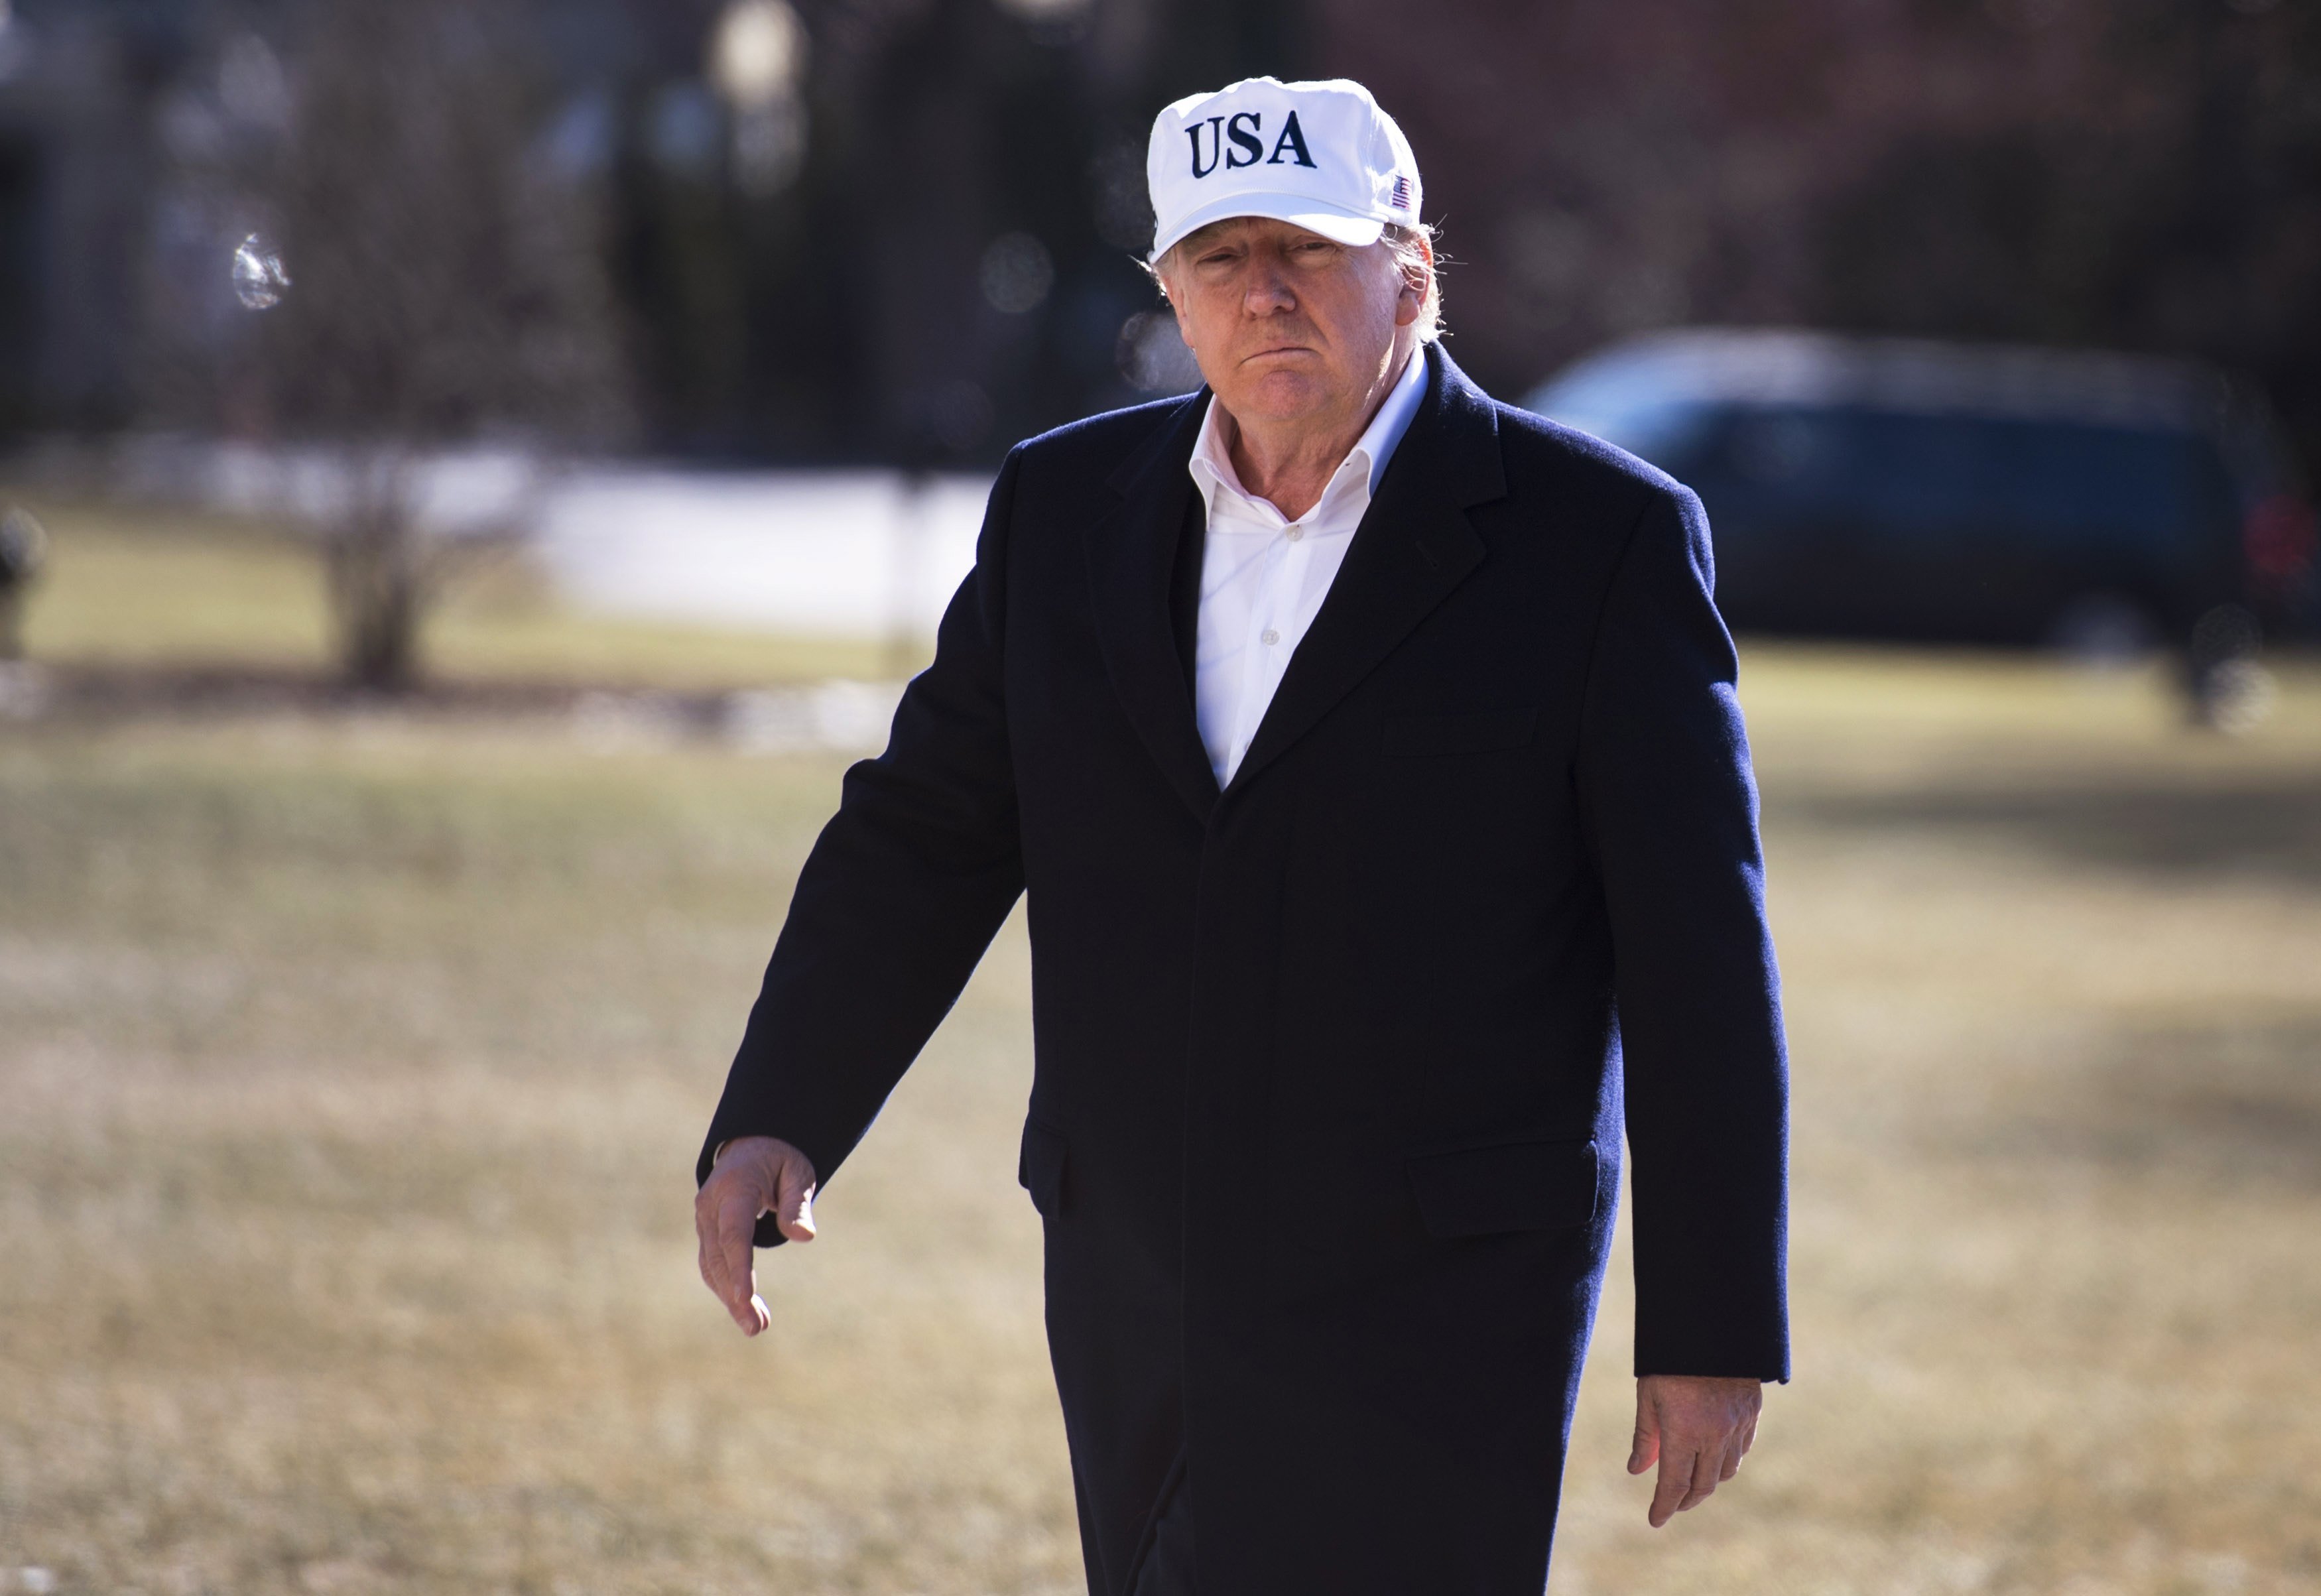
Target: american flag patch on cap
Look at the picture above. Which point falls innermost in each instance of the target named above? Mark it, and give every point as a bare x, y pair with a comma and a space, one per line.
1401, 200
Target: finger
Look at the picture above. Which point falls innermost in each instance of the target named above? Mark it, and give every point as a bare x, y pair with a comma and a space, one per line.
1675, 1482
749, 1308
794, 1199
1748, 1434
1702, 1484
735, 1222
1732, 1463
1646, 1445
713, 1256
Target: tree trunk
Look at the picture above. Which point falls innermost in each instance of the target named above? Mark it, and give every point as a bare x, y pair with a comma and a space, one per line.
377, 585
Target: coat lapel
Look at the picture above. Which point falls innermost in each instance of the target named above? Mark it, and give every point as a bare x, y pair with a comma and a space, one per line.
1414, 546
1131, 553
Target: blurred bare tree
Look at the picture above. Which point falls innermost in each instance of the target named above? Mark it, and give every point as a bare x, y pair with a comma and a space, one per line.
417, 277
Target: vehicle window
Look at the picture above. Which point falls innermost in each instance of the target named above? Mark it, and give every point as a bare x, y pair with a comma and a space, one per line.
1945, 475
1910, 473
2112, 484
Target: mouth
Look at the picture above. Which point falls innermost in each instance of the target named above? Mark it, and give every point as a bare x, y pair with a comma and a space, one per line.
1274, 350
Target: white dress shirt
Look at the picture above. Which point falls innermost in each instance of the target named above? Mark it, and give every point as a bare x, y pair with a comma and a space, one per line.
1263, 576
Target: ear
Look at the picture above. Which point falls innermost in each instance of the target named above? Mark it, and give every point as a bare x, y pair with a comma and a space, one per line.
1411, 298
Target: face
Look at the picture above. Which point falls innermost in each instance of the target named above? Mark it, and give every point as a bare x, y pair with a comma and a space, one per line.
1289, 327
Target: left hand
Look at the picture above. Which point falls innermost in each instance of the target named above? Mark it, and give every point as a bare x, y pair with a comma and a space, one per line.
1697, 1428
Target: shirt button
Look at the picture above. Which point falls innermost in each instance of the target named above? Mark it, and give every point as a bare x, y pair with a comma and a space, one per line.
1270, 637
1296, 533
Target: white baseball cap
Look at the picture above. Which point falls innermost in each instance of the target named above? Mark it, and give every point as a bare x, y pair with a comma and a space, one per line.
1320, 156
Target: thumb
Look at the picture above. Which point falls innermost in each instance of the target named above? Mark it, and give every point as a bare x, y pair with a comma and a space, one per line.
793, 1199
1645, 1449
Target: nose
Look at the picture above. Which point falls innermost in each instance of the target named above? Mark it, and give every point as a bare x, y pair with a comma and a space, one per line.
1267, 292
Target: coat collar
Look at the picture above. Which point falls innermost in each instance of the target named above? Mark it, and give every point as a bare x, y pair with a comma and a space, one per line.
1131, 552
1414, 546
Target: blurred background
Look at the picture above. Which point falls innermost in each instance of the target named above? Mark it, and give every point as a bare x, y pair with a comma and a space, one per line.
472, 474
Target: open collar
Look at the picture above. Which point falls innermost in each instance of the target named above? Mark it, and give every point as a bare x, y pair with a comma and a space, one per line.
1212, 463
1414, 546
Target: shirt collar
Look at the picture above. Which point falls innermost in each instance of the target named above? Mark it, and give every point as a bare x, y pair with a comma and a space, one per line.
1212, 462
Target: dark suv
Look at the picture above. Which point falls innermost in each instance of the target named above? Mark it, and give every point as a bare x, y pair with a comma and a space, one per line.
1892, 488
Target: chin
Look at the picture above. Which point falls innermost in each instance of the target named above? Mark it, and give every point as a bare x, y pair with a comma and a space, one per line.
1280, 396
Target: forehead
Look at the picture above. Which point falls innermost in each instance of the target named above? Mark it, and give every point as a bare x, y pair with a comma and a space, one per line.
1246, 230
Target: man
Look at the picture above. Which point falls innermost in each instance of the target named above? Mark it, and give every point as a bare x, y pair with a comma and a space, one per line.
1365, 748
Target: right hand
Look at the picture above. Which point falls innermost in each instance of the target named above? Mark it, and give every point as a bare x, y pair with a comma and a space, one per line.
752, 1176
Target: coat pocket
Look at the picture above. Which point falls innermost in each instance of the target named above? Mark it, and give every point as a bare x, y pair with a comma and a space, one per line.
1483, 732
1040, 1168
1526, 1185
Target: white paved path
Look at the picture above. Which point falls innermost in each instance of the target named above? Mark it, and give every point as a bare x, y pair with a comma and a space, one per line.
843, 553
839, 553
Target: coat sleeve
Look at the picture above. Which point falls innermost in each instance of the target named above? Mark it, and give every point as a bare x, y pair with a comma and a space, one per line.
1671, 806
904, 891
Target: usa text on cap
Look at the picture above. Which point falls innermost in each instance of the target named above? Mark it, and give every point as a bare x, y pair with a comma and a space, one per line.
1320, 156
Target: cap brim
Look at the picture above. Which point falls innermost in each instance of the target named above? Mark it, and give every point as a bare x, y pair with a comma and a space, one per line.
1299, 210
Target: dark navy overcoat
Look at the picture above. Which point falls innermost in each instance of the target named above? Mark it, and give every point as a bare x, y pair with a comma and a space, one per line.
1326, 1120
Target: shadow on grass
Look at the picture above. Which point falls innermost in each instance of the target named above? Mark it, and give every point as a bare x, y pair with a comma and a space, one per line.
2234, 1105
2271, 827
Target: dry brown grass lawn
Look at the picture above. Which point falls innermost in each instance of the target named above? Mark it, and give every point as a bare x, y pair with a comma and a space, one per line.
350, 1073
